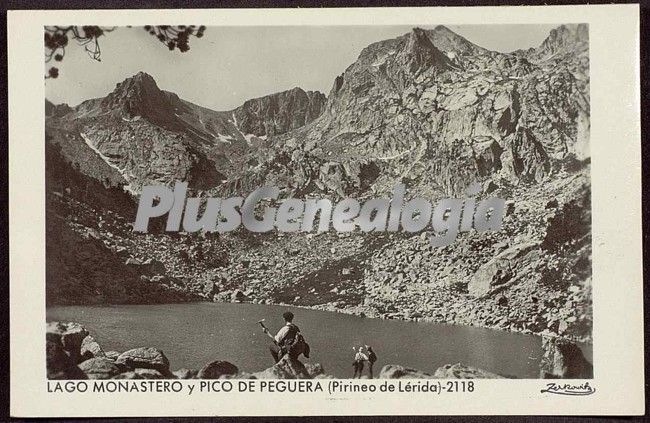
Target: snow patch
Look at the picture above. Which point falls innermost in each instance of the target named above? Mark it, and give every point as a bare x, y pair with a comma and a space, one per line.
224, 138
249, 138
451, 55
108, 162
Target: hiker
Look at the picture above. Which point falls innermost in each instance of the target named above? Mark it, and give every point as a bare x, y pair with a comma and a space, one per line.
357, 364
372, 357
287, 340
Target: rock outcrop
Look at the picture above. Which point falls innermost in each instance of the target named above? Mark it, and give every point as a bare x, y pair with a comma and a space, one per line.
563, 359
286, 368
99, 368
69, 335
498, 271
456, 371
278, 113
460, 371
147, 135
141, 374
217, 369
394, 371
144, 358
59, 363
91, 349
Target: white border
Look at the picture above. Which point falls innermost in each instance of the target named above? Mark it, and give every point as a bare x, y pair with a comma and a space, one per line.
616, 196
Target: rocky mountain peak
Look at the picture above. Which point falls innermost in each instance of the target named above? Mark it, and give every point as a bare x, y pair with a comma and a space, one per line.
139, 84
423, 53
567, 37
279, 112
52, 109
450, 42
139, 95
142, 78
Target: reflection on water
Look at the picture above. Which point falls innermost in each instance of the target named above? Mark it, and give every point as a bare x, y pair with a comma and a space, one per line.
191, 335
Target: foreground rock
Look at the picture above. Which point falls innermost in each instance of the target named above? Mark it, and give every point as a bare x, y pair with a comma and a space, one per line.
90, 348
63, 350
286, 368
99, 368
563, 359
70, 335
394, 371
185, 373
145, 358
141, 374
217, 369
448, 371
460, 371
58, 362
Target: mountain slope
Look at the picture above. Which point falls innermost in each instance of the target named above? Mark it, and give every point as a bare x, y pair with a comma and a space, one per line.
428, 109
140, 134
434, 109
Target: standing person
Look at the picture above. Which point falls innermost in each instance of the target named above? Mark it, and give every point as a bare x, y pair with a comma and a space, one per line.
357, 364
287, 340
372, 357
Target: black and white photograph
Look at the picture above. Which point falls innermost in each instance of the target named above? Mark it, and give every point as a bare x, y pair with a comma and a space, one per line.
313, 202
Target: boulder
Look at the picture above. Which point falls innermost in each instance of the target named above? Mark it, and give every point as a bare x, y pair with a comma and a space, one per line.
314, 369
154, 266
185, 373
56, 358
448, 371
90, 349
239, 297
394, 371
562, 358
70, 335
112, 355
217, 369
551, 204
99, 368
145, 358
460, 371
59, 365
489, 186
243, 375
141, 374
501, 300
498, 270
223, 297
286, 368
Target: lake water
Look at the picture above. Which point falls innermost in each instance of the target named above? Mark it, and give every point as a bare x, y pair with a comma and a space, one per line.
193, 334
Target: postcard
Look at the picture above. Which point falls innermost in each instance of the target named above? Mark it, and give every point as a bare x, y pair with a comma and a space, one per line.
379, 211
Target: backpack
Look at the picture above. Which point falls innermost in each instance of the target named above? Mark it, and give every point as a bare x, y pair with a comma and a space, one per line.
294, 343
298, 346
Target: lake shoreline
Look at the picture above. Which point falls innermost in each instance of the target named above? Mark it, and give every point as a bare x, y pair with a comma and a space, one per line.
366, 312
370, 313
193, 334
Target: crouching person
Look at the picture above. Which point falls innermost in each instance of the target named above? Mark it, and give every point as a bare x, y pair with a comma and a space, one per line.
288, 340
